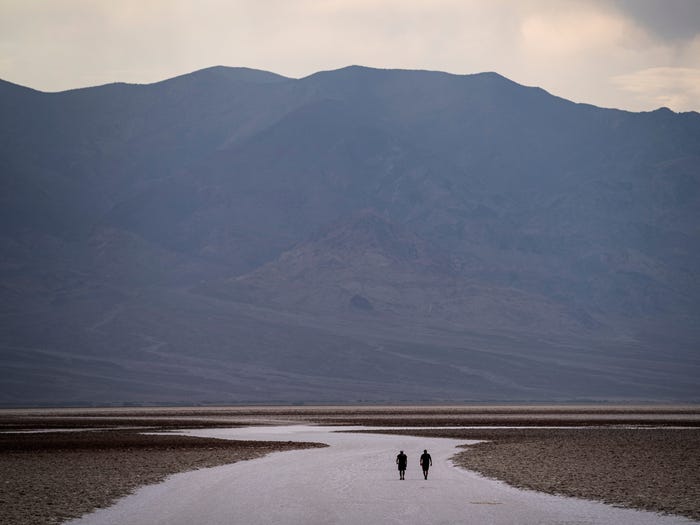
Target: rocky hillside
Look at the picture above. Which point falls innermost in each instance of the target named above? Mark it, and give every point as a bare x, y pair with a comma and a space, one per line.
232, 235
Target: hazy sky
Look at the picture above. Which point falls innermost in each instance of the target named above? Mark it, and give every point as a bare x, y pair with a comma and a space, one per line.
633, 54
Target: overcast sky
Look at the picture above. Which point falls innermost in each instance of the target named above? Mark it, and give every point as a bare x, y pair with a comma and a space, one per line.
631, 54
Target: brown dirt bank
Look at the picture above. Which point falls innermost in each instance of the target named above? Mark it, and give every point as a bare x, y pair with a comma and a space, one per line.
649, 469
53, 477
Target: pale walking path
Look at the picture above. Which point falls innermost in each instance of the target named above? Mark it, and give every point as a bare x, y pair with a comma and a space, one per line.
354, 482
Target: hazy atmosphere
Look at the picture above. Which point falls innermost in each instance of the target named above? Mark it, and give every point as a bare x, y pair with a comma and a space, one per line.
631, 54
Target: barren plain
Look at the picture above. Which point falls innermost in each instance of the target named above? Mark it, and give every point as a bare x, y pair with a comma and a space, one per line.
60, 463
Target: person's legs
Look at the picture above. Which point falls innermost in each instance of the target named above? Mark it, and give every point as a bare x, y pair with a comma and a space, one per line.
425, 473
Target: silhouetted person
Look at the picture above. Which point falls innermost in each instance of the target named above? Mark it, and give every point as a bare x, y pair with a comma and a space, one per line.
426, 462
402, 461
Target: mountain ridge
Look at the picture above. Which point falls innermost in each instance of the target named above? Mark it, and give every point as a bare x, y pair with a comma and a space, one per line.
261, 73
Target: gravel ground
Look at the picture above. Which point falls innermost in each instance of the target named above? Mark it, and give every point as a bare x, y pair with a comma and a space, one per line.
52, 477
644, 468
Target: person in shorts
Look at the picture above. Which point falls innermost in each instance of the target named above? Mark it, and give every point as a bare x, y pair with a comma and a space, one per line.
402, 461
426, 462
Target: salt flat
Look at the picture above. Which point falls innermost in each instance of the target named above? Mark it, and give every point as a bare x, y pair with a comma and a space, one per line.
354, 481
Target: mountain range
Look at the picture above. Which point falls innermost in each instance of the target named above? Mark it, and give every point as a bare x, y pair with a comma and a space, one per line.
357, 235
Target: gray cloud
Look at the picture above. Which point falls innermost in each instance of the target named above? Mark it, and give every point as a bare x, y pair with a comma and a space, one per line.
668, 19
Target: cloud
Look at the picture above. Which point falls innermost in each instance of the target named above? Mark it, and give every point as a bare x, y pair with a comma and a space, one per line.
667, 19
572, 32
673, 87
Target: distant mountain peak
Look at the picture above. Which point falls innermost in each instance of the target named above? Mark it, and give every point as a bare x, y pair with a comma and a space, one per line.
663, 111
7, 88
232, 74
356, 69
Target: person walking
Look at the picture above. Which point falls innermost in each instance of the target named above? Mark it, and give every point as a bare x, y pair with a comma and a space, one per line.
426, 462
402, 461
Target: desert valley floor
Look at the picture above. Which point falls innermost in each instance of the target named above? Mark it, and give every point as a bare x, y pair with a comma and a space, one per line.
124, 463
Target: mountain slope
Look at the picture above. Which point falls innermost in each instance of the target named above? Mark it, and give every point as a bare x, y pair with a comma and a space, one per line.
368, 266
192, 238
